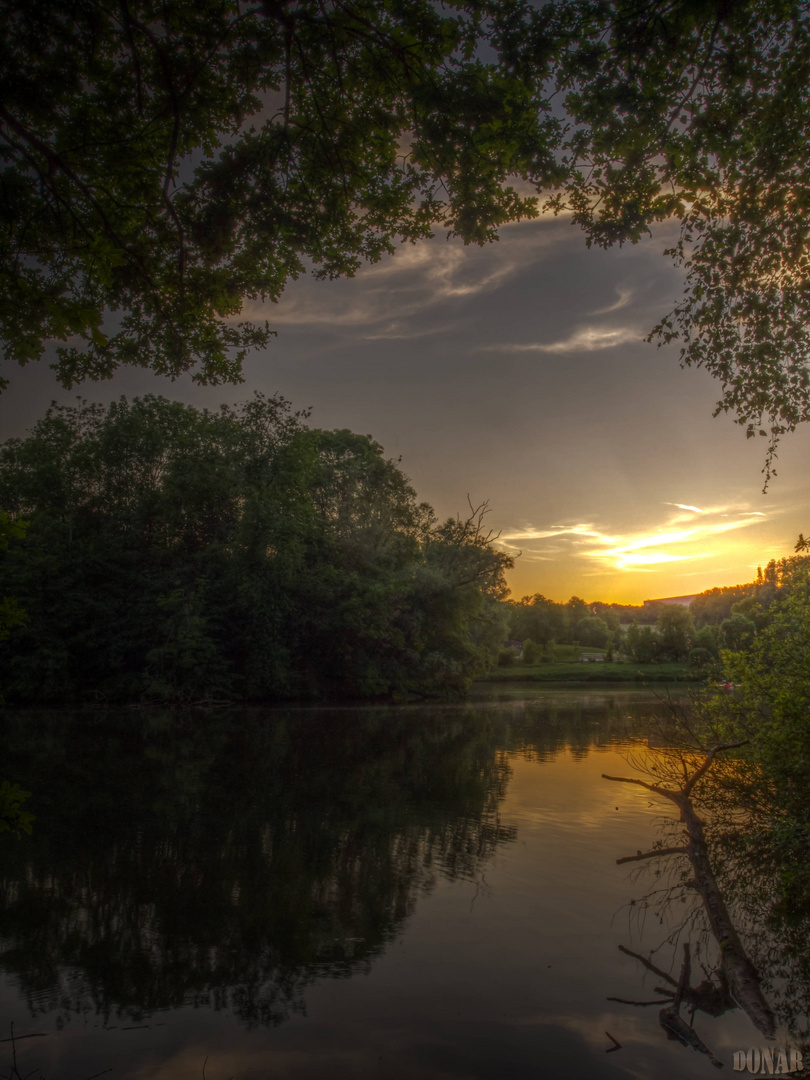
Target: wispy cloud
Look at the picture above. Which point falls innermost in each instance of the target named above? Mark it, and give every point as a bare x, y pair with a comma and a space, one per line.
682, 506
421, 289
625, 297
588, 339
645, 548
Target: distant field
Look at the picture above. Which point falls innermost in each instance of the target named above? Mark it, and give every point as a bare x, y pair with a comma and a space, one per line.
568, 654
574, 672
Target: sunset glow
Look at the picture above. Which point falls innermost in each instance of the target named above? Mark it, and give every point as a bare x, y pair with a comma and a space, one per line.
517, 373
705, 546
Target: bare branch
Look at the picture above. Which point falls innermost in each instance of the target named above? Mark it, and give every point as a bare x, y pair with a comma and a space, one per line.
689, 785
656, 788
626, 1001
649, 965
652, 854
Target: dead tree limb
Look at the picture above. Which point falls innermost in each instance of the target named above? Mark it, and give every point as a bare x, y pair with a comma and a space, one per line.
653, 854
673, 1023
741, 977
649, 965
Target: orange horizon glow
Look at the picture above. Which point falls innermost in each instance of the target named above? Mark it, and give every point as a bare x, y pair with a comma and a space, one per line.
692, 550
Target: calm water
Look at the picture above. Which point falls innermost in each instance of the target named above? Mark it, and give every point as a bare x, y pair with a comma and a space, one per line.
414, 892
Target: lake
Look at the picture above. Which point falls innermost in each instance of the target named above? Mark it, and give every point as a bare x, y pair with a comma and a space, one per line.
416, 892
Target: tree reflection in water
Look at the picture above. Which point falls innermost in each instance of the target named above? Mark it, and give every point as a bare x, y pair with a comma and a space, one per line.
232, 861
716, 858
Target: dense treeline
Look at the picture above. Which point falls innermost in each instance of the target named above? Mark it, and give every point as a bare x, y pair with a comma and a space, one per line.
179, 554
546, 623
657, 632
717, 619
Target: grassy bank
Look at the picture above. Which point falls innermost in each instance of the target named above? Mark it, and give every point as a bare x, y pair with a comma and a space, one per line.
576, 672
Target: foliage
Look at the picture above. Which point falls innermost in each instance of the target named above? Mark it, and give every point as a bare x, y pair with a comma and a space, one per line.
699, 112
592, 631
532, 652
546, 621
772, 677
714, 605
12, 816
576, 672
11, 614
641, 644
168, 166
537, 618
737, 632
676, 628
769, 708
183, 555
177, 162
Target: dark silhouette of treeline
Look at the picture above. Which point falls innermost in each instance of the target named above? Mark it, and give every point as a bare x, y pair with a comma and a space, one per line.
180, 555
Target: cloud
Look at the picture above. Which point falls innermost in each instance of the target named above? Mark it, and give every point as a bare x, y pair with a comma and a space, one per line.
681, 506
625, 296
589, 339
420, 289
644, 548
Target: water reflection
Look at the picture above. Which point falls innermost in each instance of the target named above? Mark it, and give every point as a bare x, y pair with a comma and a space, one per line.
233, 860
730, 913
254, 864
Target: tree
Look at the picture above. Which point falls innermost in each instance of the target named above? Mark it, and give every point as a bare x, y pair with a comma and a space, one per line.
165, 164
12, 817
738, 631
699, 112
11, 614
537, 618
184, 555
706, 642
532, 652
641, 643
675, 628
714, 605
592, 631
768, 708
739, 976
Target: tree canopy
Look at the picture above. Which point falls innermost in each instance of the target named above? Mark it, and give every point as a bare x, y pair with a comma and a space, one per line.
699, 112
166, 166
181, 555
175, 161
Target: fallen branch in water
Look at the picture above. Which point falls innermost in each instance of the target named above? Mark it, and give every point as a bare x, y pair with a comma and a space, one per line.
739, 973
673, 1023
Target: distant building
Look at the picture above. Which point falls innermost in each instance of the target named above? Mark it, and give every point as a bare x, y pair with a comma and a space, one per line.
684, 601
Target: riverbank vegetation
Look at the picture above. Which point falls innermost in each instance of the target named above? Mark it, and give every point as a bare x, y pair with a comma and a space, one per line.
181, 555
767, 709
746, 813
592, 672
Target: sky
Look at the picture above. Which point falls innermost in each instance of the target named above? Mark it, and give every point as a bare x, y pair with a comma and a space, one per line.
517, 374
